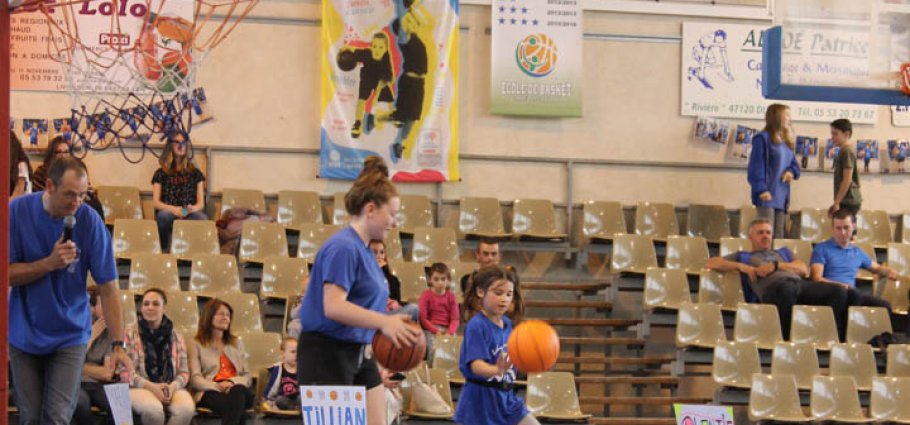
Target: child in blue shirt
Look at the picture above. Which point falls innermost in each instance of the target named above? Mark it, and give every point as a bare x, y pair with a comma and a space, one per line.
488, 396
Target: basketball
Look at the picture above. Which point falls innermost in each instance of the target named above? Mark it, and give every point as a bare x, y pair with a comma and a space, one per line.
533, 346
399, 359
346, 60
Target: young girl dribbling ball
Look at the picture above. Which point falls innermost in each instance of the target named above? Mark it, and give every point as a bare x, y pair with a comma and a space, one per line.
487, 396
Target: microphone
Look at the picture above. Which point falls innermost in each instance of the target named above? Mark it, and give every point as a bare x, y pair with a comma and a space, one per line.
68, 223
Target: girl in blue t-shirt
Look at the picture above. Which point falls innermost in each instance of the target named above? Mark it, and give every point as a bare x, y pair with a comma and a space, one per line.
488, 396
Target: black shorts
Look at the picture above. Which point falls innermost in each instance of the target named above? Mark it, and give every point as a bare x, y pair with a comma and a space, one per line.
323, 360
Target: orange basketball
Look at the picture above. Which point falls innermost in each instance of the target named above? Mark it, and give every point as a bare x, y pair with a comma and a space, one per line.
399, 359
534, 346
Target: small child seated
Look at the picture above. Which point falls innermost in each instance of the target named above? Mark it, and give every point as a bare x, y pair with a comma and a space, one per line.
438, 306
282, 391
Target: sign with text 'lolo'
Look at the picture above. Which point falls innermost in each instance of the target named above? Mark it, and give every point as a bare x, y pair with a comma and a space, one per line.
699, 414
333, 405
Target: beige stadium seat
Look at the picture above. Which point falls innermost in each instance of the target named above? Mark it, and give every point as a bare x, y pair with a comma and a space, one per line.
863, 274
864, 323
446, 356
897, 292
183, 310
632, 254
801, 250
775, 398
191, 237
311, 238
552, 396
433, 245
535, 219
733, 245
128, 308
814, 325
459, 270
898, 364
299, 207
665, 288
890, 400
242, 198
283, 277
814, 225
120, 202
853, 360
482, 218
415, 212
834, 398
602, 220
214, 274
899, 258
798, 360
720, 288
657, 220
393, 251
413, 278
131, 237
154, 271
688, 253
874, 227
905, 232
264, 349
340, 215
747, 213
735, 363
708, 221
260, 240
759, 324
699, 325
246, 312
438, 380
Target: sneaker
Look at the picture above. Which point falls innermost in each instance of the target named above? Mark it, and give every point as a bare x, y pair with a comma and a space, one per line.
355, 130
395, 150
370, 123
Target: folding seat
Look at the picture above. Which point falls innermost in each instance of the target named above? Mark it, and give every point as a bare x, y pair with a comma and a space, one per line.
413, 278
311, 238
481, 218
213, 274
905, 229
552, 396
735, 363
699, 325
131, 237
459, 270
898, 362
854, 360
246, 316
260, 240
688, 253
747, 213
264, 349
392, 244
708, 221
864, 323
874, 227
814, 325
657, 220
602, 220
863, 274
899, 258
759, 324
815, 226
775, 398
633, 254
128, 308
437, 379
299, 207
535, 219
733, 245
120, 202
340, 215
154, 271
801, 250
183, 310
242, 198
191, 237
834, 398
897, 292
446, 356
890, 400
415, 212
432, 245
665, 288
282, 277
797, 359
720, 288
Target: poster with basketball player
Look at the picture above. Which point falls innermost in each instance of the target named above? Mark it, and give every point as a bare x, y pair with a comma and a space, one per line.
389, 88
867, 155
897, 156
806, 149
711, 130
741, 147
830, 154
35, 132
536, 57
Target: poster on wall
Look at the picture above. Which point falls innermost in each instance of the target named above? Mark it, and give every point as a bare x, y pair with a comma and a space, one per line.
806, 150
900, 116
867, 154
741, 147
389, 88
721, 77
536, 57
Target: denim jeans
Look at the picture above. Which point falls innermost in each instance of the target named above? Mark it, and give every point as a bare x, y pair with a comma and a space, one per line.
411, 310
166, 224
47, 385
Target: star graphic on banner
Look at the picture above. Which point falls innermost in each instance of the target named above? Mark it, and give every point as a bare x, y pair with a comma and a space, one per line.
524, 21
442, 65
502, 21
524, 10
534, 22
513, 21
502, 8
513, 9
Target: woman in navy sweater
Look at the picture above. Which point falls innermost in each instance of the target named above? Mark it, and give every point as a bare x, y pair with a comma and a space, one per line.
772, 166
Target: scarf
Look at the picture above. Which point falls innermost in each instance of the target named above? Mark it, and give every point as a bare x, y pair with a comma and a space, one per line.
157, 346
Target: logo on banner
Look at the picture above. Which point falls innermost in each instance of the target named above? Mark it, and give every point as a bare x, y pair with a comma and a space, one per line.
710, 57
536, 55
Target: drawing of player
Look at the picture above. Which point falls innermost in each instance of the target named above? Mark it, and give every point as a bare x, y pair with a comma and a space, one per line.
711, 52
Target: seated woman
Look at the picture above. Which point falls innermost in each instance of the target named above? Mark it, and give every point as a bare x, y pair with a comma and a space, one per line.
98, 369
57, 148
20, 175
178, 188
218, 366
161, 374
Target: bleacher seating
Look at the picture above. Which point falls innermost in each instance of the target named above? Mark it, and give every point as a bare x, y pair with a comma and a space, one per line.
775, 398
758, 324
212, 274
834, 398
815, 226
797, 359
415, 212
890, 400
154, 271
481, 218
602, 220
261, 240
131, 237
242, 198
735, 363
191, 237
535, 219
655, 219
856, 361
814, 325
874, 227
119, 202
298, 207
434, 245
720, 288
708, 221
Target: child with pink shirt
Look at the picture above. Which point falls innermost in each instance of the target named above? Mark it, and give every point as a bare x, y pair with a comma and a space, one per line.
438, 306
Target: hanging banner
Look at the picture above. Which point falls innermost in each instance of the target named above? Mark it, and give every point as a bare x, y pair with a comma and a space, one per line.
721, 77
900, 116
389, 88
324, 405
537, 61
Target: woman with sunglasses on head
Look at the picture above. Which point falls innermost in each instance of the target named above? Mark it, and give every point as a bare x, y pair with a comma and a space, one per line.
178, 187
58, 148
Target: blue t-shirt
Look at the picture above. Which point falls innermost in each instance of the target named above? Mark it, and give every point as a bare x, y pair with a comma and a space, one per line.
841, 264
344, 260
484, 340
53, 312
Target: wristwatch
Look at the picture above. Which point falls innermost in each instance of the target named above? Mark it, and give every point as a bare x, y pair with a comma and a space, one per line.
115, 344
776, 265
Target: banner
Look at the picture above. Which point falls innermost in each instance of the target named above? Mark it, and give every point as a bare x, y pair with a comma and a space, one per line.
537, 62
721, 77
900, 116
696, 414
390, 88
324, 405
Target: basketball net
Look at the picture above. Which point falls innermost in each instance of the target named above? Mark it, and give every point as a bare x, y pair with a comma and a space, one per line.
905, 78
131, 77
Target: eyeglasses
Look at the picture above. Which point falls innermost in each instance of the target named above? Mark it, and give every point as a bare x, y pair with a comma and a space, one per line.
63, 152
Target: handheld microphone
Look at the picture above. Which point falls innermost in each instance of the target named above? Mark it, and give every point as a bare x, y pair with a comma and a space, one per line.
68, 223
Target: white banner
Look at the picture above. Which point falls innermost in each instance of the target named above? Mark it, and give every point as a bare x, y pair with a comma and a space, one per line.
721, 77
323, 405
900, 116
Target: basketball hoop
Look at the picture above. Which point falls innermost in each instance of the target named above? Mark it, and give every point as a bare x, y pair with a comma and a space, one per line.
905, 78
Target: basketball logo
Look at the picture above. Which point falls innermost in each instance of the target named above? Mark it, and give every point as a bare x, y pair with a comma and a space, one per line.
536, 55
333, 395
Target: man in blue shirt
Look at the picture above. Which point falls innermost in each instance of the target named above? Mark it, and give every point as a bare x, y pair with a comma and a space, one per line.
837, 261
49, 317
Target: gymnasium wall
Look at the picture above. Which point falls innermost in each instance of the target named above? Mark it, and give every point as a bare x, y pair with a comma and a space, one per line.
263, 88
